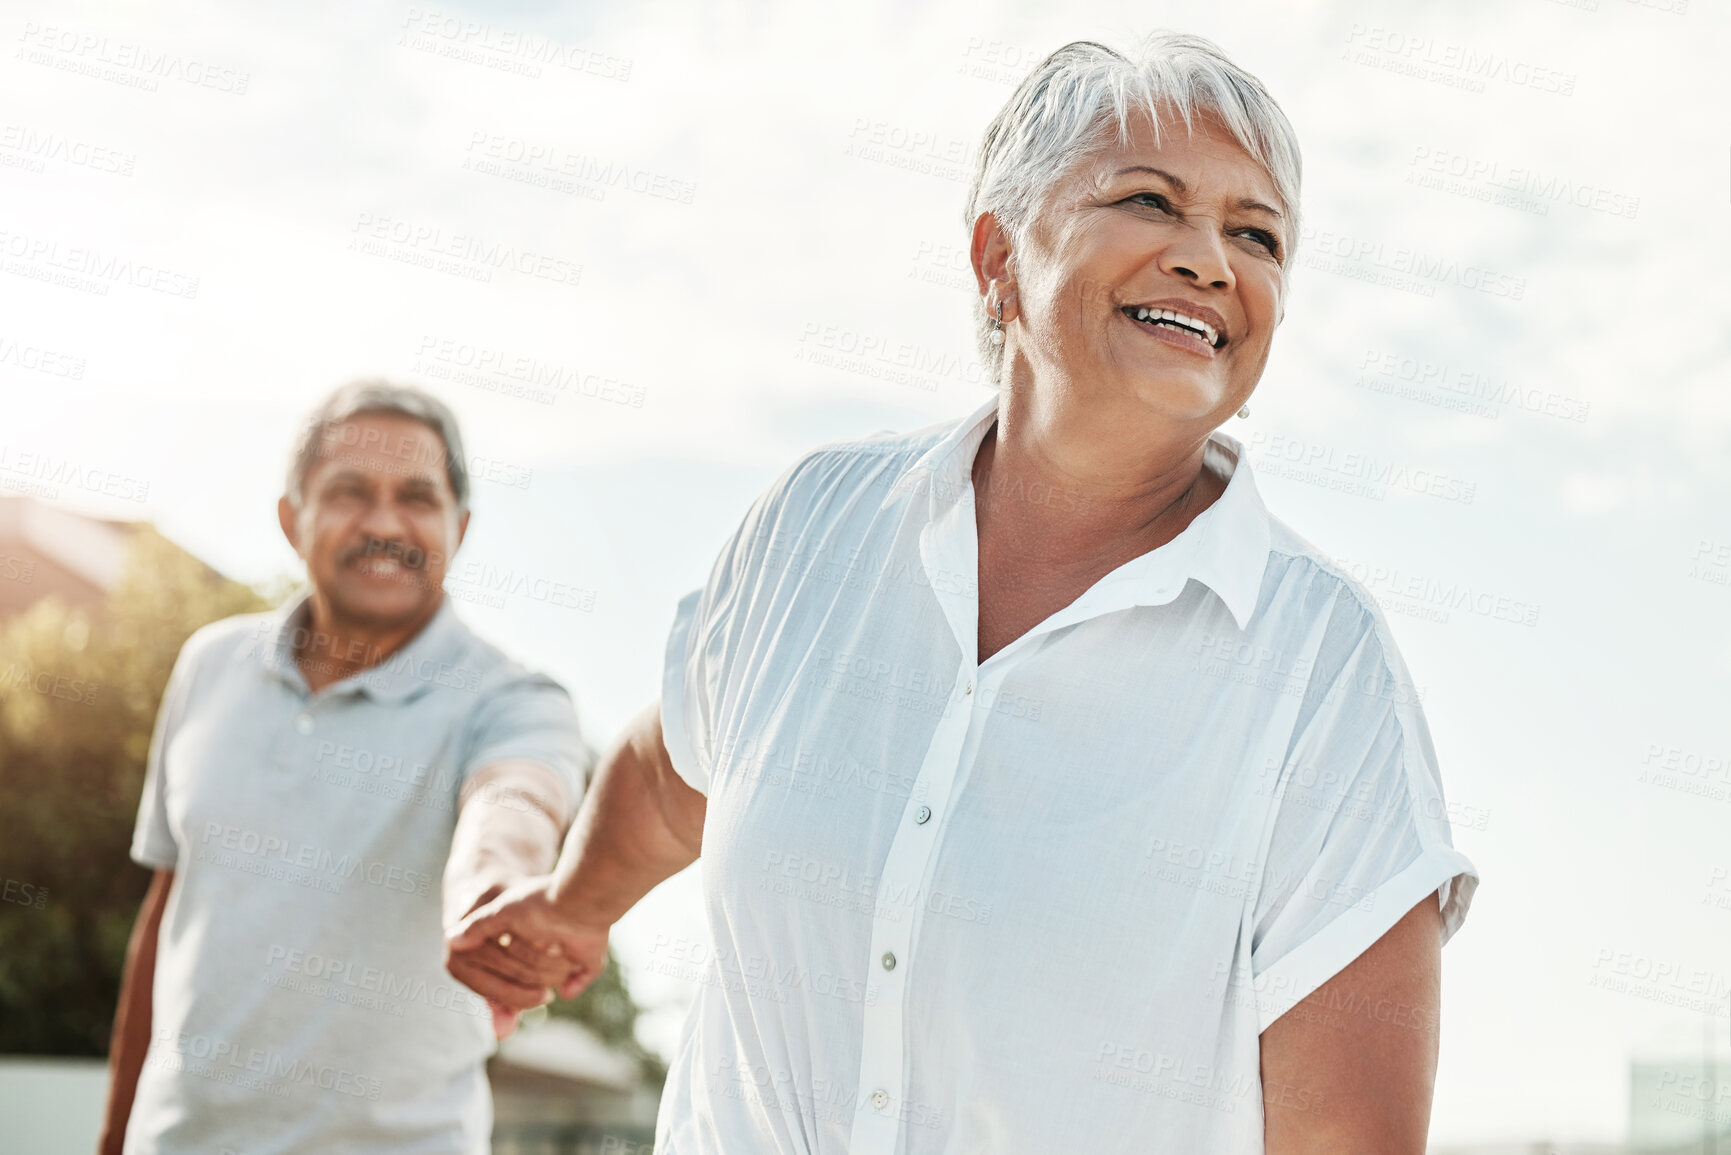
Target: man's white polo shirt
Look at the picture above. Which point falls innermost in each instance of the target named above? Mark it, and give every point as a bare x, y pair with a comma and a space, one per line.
1047, 903
301, 1000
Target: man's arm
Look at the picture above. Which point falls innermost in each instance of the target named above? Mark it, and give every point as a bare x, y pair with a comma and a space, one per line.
639, 824
1351, 1069
509, 821
130, 1041
510, 817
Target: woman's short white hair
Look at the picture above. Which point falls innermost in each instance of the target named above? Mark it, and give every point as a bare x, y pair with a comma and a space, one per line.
1085, 96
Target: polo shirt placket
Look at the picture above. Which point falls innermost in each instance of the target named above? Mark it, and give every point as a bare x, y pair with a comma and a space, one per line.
309, 716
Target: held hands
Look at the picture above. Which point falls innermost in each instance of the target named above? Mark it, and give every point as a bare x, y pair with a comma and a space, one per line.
517, 950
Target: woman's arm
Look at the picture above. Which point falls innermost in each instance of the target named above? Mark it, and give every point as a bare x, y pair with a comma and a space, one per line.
638, 825
1350, 1070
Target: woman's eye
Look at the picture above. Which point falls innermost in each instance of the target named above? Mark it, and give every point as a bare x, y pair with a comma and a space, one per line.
1267, 239
1159, 202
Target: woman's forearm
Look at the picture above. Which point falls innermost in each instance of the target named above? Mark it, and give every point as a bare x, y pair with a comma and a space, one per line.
639, 824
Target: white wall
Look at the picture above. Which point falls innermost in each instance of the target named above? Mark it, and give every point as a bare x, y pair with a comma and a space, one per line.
51, 1105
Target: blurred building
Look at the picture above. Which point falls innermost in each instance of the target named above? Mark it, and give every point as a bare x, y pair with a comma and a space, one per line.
559, 1090
1676, 1107
49, 550
1539, 1148
45, 550
1680, 1107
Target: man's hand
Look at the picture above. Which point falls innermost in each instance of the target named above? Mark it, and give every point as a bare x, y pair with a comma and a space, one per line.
639, 824
509, 823
504, 1018
517, 950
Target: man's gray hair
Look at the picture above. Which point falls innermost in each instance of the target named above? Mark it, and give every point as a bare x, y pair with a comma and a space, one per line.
376, 396
1083, 96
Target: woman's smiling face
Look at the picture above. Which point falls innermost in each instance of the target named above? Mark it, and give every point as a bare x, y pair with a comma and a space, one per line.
1193, 226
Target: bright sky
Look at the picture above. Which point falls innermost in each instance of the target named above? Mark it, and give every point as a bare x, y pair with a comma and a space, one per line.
715, 231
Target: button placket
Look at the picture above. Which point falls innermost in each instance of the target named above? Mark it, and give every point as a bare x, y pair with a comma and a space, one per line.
309, 728
883, 1057
948, 545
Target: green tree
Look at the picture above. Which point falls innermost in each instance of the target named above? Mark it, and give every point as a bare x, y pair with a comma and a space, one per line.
78, 696
606, 1007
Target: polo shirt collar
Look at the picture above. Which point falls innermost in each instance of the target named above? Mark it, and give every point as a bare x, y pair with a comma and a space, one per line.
1225, 547
430, 658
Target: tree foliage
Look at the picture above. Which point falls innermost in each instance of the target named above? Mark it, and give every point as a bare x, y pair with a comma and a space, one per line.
78, 696
606, 1007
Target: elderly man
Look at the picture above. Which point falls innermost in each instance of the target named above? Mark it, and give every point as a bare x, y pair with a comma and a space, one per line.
327, 787
1052, 794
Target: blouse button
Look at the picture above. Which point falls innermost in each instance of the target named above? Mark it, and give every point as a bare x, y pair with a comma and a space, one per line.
304, 723
889, 961
923, 814
880, 1098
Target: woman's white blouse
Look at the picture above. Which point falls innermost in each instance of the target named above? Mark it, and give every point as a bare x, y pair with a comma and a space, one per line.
1044, 903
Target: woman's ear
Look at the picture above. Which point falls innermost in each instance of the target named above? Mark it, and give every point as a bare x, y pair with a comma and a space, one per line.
989, 251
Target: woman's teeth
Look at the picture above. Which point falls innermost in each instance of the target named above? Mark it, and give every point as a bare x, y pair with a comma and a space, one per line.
1176, 320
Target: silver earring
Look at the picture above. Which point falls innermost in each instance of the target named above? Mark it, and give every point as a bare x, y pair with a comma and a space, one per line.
1245, 411
997, 337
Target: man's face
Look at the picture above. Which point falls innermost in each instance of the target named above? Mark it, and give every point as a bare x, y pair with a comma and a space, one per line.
378, 522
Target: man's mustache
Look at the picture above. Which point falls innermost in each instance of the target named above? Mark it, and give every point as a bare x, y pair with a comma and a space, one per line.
409, 556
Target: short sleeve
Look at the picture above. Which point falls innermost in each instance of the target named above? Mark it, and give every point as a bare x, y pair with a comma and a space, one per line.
531, 718
153, 843
684, 698
1361, 833
711, 625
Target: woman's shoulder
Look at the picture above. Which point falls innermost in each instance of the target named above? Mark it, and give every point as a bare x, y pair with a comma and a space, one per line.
848, 467
886, 447
1327, 579
1311, 584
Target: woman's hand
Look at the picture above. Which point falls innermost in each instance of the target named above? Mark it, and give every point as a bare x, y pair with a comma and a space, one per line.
517, 950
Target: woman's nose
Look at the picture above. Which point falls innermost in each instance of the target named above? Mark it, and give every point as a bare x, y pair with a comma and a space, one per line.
1197, 253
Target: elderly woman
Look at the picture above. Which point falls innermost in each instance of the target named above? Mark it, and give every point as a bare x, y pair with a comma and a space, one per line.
1052, 795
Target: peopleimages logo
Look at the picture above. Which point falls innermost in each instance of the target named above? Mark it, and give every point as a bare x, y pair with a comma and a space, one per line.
329, 977
45, 259
1403, 260
256, 1067
1361, 473
224, 844
464, 254
135, 65
47, 683
56, 472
